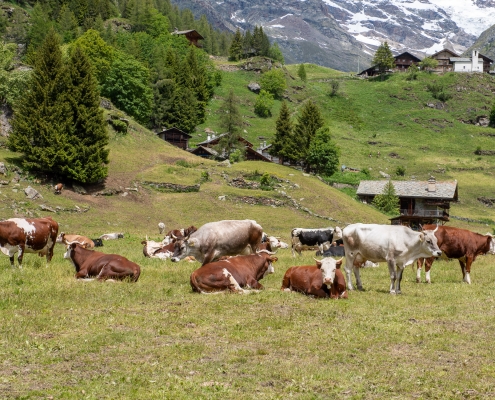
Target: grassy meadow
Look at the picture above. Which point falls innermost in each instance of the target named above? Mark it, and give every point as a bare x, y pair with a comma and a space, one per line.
64, 339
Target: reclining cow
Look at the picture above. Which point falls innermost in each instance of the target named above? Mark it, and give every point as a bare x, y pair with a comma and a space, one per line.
82, 240
112, 236
233, 273
159, 250
90, 263
395, 244
461, 244
323, 280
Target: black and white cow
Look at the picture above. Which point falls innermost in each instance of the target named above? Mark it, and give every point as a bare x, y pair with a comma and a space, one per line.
313, 237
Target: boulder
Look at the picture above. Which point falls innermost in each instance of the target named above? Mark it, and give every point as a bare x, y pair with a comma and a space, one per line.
254, 87
32, 193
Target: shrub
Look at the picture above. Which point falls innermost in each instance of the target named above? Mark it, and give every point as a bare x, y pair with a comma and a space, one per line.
263, 105
205, 176
183, 163
400, 170
334, 88
236, 156
274, 82
118, 125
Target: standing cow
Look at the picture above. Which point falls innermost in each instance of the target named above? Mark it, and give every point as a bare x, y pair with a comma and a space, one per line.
313, 237
457, 243
395, 244
222, 238
28, 235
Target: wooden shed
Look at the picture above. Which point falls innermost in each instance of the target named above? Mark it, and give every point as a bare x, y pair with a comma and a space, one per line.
192, 35
175, 137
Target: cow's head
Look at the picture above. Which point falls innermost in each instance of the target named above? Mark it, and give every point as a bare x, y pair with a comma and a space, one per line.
337, 233
492, 243
69, 251
269, 259
328, 266
429, 242
183, 247
60, 238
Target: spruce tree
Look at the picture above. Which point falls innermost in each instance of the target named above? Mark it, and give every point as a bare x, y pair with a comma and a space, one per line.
308, 122
388, 201
301, 72
247, 44
257, 42
235, 51
383, 58
265, 43
231, 122
43, 119
283, 134
88, 155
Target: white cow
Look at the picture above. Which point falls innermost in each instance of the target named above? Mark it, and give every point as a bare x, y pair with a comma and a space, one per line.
396, 245
112, 236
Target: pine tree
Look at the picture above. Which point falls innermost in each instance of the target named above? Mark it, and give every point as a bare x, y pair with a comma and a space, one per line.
265, 43
67, 24
323, 153
231, 122
383, 58
308, 122
283, 134
257, 42
43, 121
88, 155
301, 72
388, 201
235, 51
247, 44
197, 76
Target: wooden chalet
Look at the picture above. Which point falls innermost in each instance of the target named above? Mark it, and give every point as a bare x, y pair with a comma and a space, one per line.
421, 202
192, 35
402, 62
205, 152
175, 137
443, 57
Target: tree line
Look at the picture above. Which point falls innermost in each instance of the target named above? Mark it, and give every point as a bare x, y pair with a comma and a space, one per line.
247, 44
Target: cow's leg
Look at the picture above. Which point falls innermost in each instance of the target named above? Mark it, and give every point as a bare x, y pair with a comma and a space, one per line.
318, 292
419, 262
254, 284
348, 267
357, 274
12, 261
393, 276
400, 270
465, 263
208, 258
234, 285
21, 255
428, 264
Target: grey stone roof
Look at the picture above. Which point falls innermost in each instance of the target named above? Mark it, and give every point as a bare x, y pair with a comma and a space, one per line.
417, 189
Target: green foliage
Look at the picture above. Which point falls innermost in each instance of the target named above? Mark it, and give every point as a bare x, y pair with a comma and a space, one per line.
58, 126
205, 176
184, 163
13, 83
235, 51
276, 54
438, 91
283, 134
383, 58
263, 104
388, 201
265, 179
231, 119
126, 85
236, 156
400, 170
428, 63
274, 82
301, 72
119, 125
309, 121
67, 24
412, 73
334, 87
323, 153
492, 116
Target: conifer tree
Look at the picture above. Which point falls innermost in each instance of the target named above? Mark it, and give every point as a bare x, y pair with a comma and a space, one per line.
383, 58
283, 134
67, 24
257, 41
265, 43
247, 43
198, 83
308, 122
42, 121
301, 72
88, 155
231, 122
235, 51
388, 201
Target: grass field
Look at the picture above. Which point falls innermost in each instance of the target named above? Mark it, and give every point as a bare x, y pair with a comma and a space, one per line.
156, 339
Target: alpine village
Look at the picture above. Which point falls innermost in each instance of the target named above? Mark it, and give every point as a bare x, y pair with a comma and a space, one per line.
152, 154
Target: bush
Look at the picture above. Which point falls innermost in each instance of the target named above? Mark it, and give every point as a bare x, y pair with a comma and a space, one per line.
334, 88
205, 176
263, 105
118, 125
274, 82
183, 163
236, 156
400, 170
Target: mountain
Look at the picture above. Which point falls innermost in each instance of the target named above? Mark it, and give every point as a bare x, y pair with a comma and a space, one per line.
344, 34
485, 44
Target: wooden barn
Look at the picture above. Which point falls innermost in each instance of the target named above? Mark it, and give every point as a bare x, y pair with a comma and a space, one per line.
443, 57
175, 137
421, 202
192, 35
402, 62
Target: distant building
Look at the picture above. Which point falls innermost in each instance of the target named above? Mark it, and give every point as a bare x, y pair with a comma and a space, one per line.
421, 202
192, 35
402, 62
476, 63
444, 63
175, 137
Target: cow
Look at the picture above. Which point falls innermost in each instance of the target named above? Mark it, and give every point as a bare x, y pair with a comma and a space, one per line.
159, 250
333, 251
233, 273
456, 243
181, 233
82, 240
98, 242
323, 280
275, 242
90, 263
28, 235
395, 244
161, 227
221, 238
58, 188
111, 236
312, 237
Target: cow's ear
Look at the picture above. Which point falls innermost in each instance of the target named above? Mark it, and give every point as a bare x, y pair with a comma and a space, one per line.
318, 262
421, 237
338, 263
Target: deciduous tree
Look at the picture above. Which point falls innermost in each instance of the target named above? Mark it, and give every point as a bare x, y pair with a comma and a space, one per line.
383, 58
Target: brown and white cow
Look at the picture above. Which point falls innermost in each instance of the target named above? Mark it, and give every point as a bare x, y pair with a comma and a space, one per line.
323, 280
222, 238
233, 273
90, 263
397, 245
181, 233
159, 250
28, 235
82, 240
457, 243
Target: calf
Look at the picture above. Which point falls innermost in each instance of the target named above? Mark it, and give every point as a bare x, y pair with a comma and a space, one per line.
323, 280
457, 243
312, 237
58, 188
233, 273
89, 263
82, 240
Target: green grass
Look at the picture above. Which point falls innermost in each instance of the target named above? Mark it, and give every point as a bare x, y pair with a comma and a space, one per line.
158, 339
